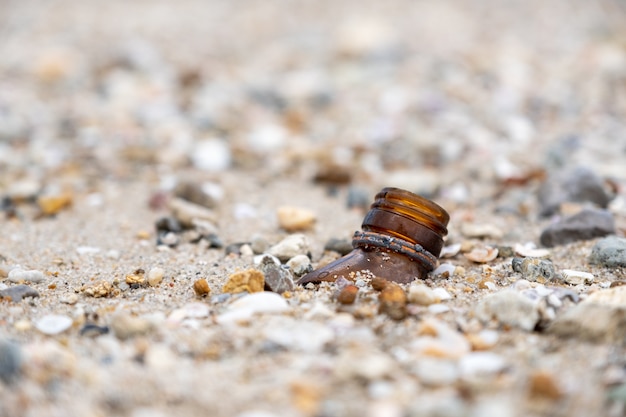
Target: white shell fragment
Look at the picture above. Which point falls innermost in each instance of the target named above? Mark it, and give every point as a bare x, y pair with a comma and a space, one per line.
530, 251
577, 277
450, 250
482, 255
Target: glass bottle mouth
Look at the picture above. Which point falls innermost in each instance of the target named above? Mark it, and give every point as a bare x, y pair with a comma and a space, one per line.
414, 207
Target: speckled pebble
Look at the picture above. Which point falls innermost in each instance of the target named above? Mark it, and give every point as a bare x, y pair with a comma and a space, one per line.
300, 265
609, 252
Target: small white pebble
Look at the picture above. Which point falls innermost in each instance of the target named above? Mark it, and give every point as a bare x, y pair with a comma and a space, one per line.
577, 277
438, 308
53, 324
442, 294
155, 276
21, 275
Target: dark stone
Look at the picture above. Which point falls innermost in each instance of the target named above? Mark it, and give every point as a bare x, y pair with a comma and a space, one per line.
214, 241
234, 248
18, 292
341, 246
10, 361
588, 224
580, 185
168, 224
610, 252
93, 330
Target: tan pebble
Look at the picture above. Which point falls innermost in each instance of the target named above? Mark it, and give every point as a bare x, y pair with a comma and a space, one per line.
23, 325
201, 287
143, 235
155, 276
295, 219
459, 271
251, 280
348, 294
306, 396
99, 289
379, 283
137, 278
484, 283
393, 301
422, 294
543, 384
482, 254
53, 204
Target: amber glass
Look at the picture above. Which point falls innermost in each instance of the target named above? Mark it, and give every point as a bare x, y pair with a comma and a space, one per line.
401, 239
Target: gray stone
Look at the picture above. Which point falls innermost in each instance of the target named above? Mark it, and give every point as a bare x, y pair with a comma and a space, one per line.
341, 246
277, 278
533, 269
580, 185
587, 224
610, 252
18, 292
10, 361
509, 308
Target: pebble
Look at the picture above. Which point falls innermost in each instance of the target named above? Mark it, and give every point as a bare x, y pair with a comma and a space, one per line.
347, 295
482, 254
341, 246
188, 213
213, 155
544, 384
18, 292
483, 340
168, 224
477, 364
579, 185
436, 372
155, 276
207, 194
93, 330
294, 219
21, 275
442, 294
392, 301
250, 280
136, 279
530, 251
259, 244
509, 308
601, 317
438, 308
201, 287
292, 245
300, 265
609, 252
573, 277
300, 336
364, 365
480, 231
99, 289
52, 204
278, 278
53, 324
70, 299
437, 339
588, 224
244, 308
10, 361
422, 294
194, 310
126, 326
534, 269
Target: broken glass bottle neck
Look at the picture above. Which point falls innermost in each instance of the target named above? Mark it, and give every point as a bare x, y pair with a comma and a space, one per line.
401, 239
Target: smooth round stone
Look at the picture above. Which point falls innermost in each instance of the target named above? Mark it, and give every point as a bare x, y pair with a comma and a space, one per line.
22, 275
53, 324
292, 245
610, 252
244, 308
211, 155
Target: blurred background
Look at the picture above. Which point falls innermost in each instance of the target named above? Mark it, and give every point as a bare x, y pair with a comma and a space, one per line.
447, 98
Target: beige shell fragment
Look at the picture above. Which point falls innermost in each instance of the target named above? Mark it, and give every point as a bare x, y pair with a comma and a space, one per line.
482, 254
